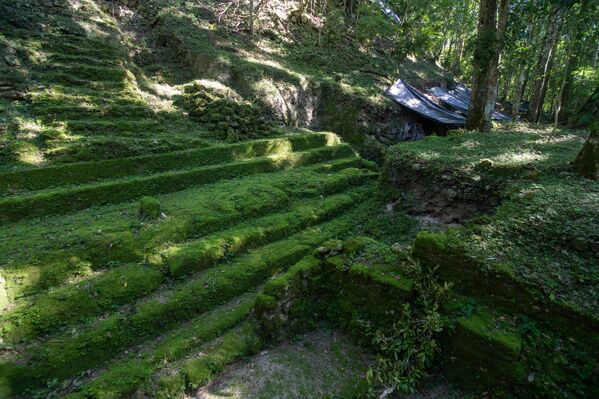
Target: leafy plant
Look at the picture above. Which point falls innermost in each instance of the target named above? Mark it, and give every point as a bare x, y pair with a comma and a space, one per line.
406, 348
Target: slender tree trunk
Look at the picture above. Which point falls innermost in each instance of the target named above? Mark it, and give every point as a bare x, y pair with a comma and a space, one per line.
492, 23
573, 48
541, 81
566, 86
517, 99
507, 83
252, 17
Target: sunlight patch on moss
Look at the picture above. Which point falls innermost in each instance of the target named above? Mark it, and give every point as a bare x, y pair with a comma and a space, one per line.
518, 158
470, 144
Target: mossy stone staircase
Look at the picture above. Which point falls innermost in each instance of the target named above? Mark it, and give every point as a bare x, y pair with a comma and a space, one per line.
99, 299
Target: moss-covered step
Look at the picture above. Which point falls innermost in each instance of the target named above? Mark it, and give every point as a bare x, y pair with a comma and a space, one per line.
74, 303
64, 78
500, 286
115, 146
196, 255
68, 354
80, 97
122, 377
71, 199
87, 72
89, 46
339, 282
83, 111
483, 350
84, 172
39, 254
194, 372
68, 58
113, 126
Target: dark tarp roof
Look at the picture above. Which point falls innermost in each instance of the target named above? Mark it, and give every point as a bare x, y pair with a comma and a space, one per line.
458, 100
409, 97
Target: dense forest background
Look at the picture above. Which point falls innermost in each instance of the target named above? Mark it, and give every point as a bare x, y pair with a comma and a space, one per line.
549, 58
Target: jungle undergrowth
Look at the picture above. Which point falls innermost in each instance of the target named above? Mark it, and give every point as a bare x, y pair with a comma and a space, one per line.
407, 348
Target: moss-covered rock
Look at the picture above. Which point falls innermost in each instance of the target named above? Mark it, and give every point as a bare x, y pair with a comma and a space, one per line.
225, 114
149, 208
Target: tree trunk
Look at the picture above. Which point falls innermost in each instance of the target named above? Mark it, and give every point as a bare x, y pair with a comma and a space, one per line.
251, 17
507, 84
589, 112
587, 160
490, 39
517, 99
541, 81
573, 51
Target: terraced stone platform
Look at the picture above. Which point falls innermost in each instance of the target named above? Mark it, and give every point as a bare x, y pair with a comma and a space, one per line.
97, 299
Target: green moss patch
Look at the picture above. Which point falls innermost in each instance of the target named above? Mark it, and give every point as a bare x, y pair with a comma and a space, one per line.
190, 256
510, 354
149, 208
68, 354
39, 254
535, 255
461, 176
75, 303
198, 371
356, 278
79, 173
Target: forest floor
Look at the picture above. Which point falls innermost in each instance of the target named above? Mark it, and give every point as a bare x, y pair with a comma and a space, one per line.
320, 364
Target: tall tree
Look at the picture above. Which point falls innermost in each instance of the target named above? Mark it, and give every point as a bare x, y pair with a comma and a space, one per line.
541, 79
492, 22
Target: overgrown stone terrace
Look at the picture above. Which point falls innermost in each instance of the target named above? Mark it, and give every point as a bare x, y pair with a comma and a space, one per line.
141, 253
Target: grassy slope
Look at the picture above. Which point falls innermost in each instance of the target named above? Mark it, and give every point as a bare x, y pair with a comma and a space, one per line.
299, 75
82, 99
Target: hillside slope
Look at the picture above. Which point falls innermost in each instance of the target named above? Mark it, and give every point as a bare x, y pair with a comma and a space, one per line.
96, 80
